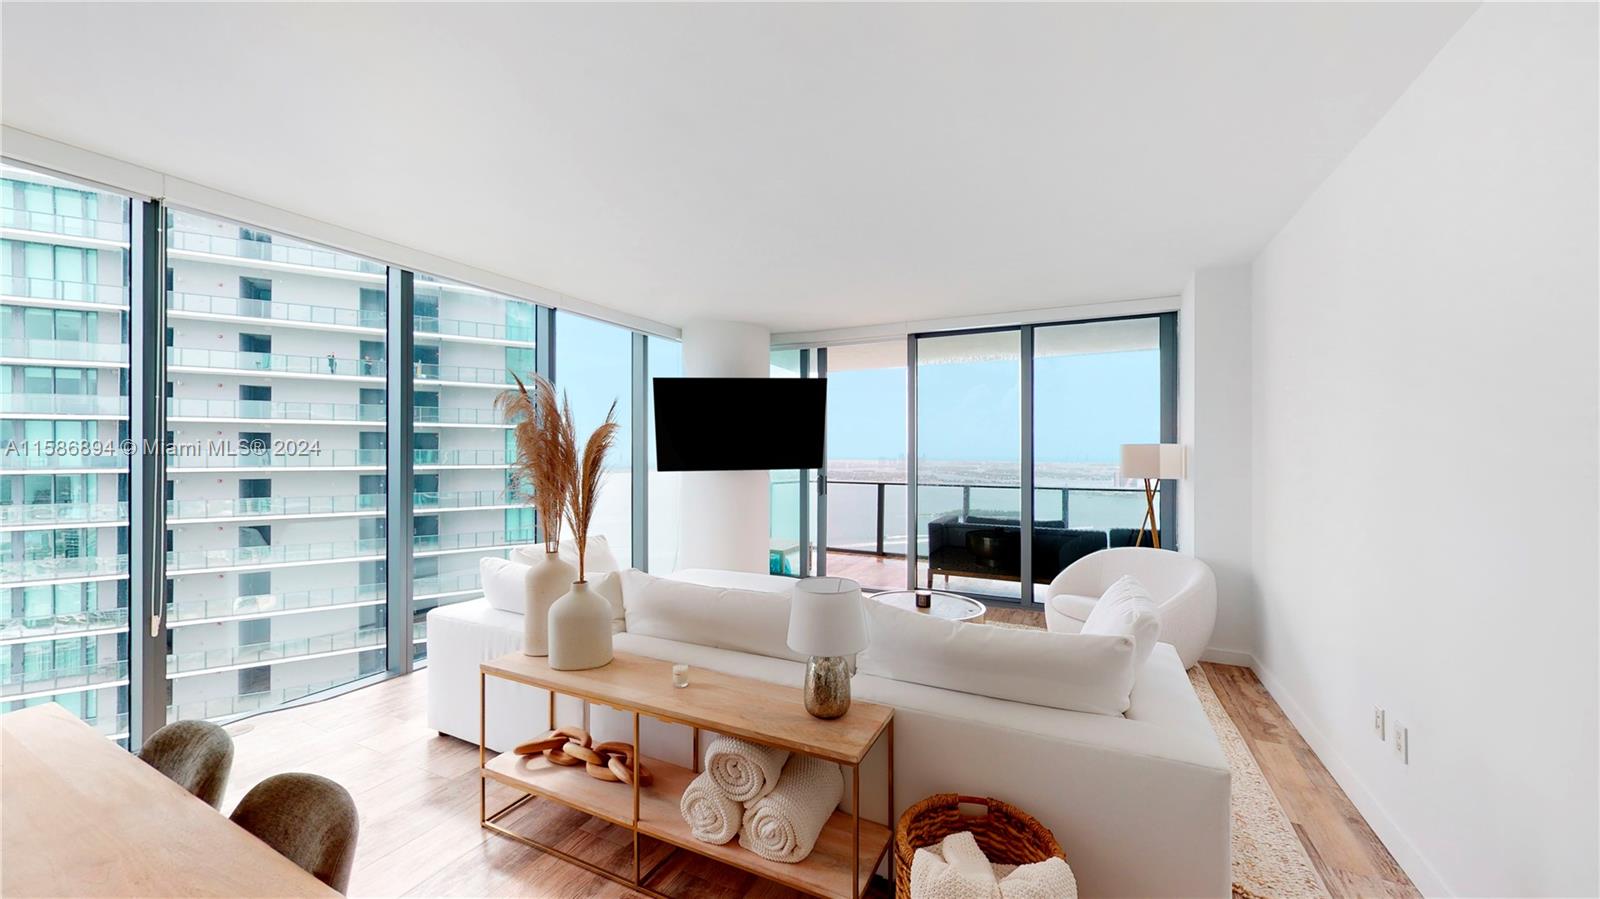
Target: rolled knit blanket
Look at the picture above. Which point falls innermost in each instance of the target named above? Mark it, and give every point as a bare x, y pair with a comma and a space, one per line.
744, 770
783, 825
712, 816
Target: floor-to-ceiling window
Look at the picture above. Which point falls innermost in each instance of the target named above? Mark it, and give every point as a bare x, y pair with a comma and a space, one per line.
1096, 386
468, 343
866, 465
277, 404
784, 486
64, 298
969, 472
594, 369
665, 360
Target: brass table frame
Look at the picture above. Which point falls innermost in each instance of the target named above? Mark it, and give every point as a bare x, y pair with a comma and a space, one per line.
640, 882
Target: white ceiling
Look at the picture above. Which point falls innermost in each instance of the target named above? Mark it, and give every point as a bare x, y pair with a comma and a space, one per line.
799, 166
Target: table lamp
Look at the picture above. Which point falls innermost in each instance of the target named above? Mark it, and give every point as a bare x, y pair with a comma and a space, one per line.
1153, 462
827, 623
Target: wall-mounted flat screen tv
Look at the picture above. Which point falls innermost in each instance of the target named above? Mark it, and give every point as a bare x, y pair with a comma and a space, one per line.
737, 424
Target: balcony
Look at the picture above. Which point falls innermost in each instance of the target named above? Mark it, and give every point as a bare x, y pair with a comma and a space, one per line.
228, 658
183, 241
181, 304
73, 351
182, 459
183, 511
180, 409
867, 534
453, 587
64, 225
180, 614
460, 416
328, 367
46, 515
21, 683
19, 572
254, 557
74, 624
500, 333
16, 287
26, 405
245, 703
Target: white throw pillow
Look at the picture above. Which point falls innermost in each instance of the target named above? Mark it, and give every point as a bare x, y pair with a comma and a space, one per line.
609, 585
753, 621
1126, 608
506, 584
1078, 672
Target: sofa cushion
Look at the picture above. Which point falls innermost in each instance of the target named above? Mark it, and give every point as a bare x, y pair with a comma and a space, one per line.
753, 621
1078, 672
1127, 609
506, 584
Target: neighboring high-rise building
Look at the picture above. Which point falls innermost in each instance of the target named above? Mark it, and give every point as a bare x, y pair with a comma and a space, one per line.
275, 494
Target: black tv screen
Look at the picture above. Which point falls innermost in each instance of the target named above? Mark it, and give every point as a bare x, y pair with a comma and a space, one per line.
736, 424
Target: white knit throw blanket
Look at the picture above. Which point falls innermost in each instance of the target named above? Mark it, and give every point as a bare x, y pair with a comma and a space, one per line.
712, 816
783, 825
958, 869
745, 771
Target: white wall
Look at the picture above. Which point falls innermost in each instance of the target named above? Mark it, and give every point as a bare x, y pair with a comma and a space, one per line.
1214, 426
726, 514
1425, 418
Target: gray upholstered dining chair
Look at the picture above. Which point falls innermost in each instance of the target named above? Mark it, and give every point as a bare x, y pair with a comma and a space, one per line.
308, 819
196, 755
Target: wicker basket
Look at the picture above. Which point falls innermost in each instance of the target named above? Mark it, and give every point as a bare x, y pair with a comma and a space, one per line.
1005, 833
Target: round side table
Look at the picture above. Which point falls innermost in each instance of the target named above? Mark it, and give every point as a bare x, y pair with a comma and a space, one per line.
949, 606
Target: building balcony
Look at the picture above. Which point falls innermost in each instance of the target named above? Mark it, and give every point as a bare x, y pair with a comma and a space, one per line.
34, 405
325, 367
22, 572
180, 562
454, 586
250, 655
39, 516
64, 225
230, 608
46, 291
181, 409
73, 352
427, 325
225, 707
297, 314
54, 627
371, 460
50, 515
181, 242
21, 683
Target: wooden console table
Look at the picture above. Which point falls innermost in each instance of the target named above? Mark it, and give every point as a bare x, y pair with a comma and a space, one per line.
847, 852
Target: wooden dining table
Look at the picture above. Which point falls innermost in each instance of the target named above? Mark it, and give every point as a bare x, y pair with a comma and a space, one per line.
80, 816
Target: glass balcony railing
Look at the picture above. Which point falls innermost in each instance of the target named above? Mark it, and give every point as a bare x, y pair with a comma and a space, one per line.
179, 407
187, 561
22, 680
63, 513
267, 251
449, 327
55, 568
64, 225
465, 499
62, 404
30, 461
449, 458
63, 625
272, 603
245, 703
178, 510
275, 310
444, 585
181, 459
459, 416
275, 651
331, 366
64, 350
66, 291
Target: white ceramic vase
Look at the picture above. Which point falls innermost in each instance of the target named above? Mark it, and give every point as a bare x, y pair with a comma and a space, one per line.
552, 578
580, 630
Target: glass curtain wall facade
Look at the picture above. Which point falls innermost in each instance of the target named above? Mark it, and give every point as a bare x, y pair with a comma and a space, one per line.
278, 383
665, 488
64, 299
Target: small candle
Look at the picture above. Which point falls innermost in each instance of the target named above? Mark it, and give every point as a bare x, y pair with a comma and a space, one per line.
680, 675
924, 599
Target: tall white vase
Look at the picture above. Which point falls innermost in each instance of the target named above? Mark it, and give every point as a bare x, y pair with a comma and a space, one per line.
580, 630
552, 577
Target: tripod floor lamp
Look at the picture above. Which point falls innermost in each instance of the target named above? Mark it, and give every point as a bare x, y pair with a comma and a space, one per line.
1152, 462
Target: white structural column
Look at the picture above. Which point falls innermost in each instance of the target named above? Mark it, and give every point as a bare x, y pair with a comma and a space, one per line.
1214, 423
726, 513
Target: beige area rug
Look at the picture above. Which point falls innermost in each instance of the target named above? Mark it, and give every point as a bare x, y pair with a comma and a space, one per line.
1268, 860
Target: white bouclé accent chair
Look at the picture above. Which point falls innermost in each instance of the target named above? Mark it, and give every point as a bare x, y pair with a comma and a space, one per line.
1183, 587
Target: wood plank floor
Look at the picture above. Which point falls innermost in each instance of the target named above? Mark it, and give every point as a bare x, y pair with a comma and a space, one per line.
417, 793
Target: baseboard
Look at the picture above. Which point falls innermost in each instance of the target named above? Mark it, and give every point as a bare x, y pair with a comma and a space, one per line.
1228, 657
1423, 875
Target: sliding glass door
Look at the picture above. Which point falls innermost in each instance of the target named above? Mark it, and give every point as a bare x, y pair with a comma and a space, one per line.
969, 463
866, 473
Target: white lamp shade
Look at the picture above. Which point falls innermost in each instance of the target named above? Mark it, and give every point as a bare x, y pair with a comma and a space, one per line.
1160, 461
826, 617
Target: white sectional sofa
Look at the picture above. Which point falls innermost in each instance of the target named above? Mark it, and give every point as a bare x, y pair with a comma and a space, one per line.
1139, 801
